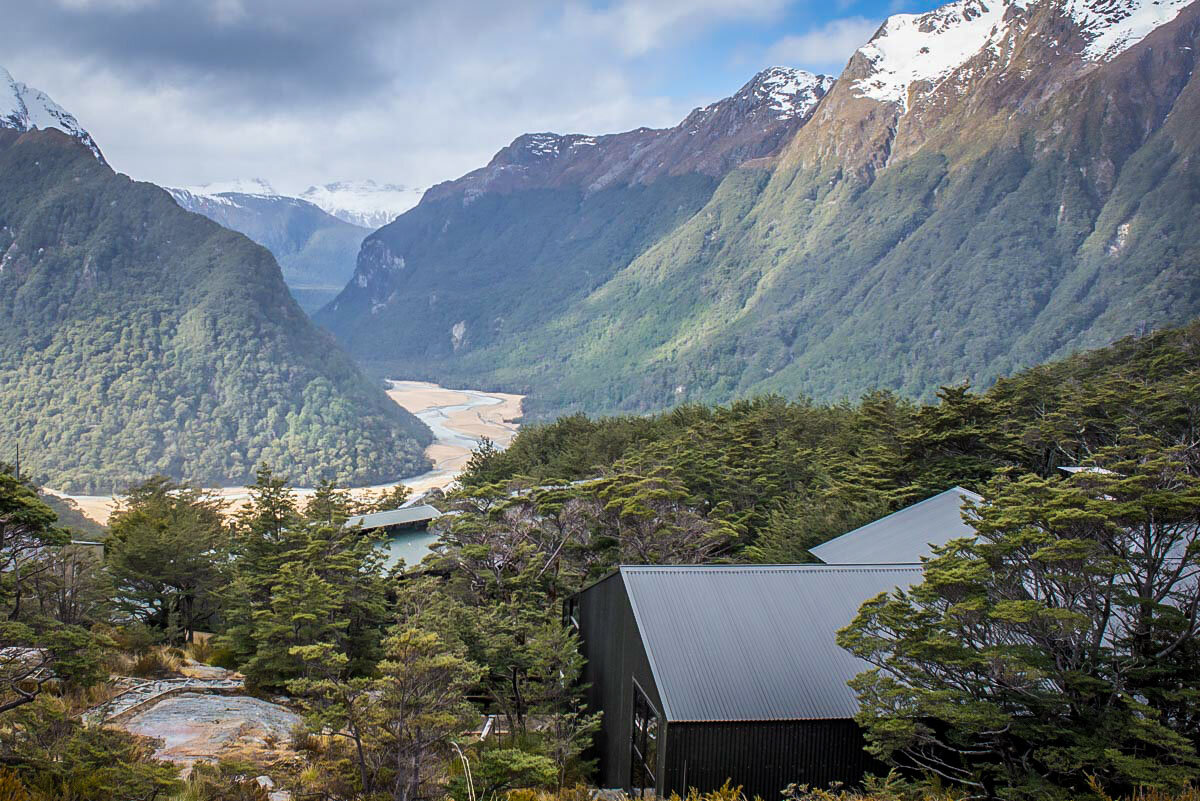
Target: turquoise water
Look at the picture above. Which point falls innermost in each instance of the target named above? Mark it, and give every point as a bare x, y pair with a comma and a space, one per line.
411, 546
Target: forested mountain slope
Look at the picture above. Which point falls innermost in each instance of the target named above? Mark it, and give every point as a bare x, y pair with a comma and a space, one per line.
315, 250
139, 338
987, 186
484, 261
789, 475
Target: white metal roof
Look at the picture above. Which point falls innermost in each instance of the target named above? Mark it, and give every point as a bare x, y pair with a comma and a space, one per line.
905, 536
394, 517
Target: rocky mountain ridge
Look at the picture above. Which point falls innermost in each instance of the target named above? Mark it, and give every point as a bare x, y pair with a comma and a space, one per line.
709, 141
550, 218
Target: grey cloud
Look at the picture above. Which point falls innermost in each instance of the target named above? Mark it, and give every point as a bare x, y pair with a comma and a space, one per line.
268, 51
310, 91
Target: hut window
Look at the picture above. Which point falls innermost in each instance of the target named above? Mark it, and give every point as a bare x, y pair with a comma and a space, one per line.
644, 755
573, 613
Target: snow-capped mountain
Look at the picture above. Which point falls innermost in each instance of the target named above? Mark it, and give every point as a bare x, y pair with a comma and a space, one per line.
364, 203
986, 186
24, 108
245, 186
964, 61
922, 50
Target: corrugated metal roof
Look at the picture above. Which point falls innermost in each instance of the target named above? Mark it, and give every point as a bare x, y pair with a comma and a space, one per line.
754, 642
394, 517
905, 536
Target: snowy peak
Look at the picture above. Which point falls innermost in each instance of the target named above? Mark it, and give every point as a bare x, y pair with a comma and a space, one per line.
242, 186
911, 49
24, 108
782, 94
232, 194
364, 203
786, 92
203, 202
1113, 26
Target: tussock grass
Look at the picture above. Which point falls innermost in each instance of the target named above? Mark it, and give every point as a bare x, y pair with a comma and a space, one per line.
155, 661
200, 650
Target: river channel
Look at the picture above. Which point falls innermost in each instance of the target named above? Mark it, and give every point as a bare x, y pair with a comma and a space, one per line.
459, 418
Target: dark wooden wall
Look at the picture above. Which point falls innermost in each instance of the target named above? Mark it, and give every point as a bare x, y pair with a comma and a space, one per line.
615, 659
764, 756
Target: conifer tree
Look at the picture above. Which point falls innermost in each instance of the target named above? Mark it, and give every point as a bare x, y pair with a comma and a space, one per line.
329, 505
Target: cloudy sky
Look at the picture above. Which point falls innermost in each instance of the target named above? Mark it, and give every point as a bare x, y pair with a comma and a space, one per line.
300, 92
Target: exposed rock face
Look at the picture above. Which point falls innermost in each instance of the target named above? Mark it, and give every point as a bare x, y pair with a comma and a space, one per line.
200, 717
143, 694
197, 727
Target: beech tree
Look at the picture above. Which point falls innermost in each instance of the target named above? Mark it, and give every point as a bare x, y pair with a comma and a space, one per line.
399, 725
166, 555
1058, 647
27, 533
653, 521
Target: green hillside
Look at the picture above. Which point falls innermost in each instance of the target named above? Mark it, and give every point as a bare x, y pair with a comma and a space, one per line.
141, 338
934, 272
